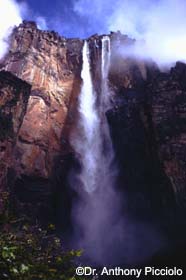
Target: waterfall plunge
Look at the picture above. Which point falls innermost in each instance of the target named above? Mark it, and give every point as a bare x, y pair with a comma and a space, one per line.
105, 65
107, 235
93, 144
92, 214
88, 144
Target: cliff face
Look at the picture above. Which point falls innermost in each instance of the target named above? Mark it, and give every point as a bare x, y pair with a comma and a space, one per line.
14, 94
51, 64
168, 99
148, 129
147, 118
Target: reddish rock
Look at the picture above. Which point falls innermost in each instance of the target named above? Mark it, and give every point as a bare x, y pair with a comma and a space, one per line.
14, 95
51, 64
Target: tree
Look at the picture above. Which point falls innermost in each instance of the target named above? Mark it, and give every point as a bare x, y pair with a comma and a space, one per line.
28, 252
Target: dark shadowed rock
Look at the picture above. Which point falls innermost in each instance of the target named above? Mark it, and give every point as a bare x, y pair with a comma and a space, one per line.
14, 94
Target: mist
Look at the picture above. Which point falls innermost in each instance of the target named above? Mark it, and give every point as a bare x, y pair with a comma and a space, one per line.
10, 15
92, 215
107, 233
158, 26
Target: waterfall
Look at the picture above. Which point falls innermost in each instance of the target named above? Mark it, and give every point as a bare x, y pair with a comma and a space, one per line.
88, 145
105, 65
93, 143
108, 155
101, 228
93, 146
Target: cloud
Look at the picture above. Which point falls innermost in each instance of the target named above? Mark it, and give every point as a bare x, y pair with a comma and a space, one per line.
10, 15
162, 25
158, 25
41, 23
29, 14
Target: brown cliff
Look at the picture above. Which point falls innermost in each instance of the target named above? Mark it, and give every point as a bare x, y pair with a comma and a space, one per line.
168, 96
51, 64
148, 128
14, 94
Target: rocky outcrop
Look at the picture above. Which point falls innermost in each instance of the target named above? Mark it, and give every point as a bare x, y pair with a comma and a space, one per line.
14, 95
148, 128
51, 64
167, 93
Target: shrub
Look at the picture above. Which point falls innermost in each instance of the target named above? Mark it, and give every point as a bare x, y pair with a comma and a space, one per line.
28, 252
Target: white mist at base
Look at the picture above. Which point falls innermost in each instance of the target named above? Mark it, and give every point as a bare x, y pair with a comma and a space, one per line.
92, 214
107, 235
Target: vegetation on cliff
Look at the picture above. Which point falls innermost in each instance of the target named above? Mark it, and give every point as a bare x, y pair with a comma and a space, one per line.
28, 252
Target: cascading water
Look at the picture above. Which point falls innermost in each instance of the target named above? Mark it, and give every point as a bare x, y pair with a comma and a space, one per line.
88, 144
101, 228
105, 65
92, 143
104, 106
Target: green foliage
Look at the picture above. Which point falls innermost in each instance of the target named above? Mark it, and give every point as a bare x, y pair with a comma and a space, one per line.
28, 252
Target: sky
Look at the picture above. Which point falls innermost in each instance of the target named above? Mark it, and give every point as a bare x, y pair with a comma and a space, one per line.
82, 18
63, 16
58, 15
161, 24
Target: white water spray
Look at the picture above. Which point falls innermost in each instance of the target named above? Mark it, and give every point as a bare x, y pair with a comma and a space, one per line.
92, 143
87, 146
108, 155
100, 227
105, 63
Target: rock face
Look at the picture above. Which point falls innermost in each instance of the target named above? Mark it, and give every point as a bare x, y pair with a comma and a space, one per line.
141, 170
147, 118
14, 94
51, 64
148, 129
168, 97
